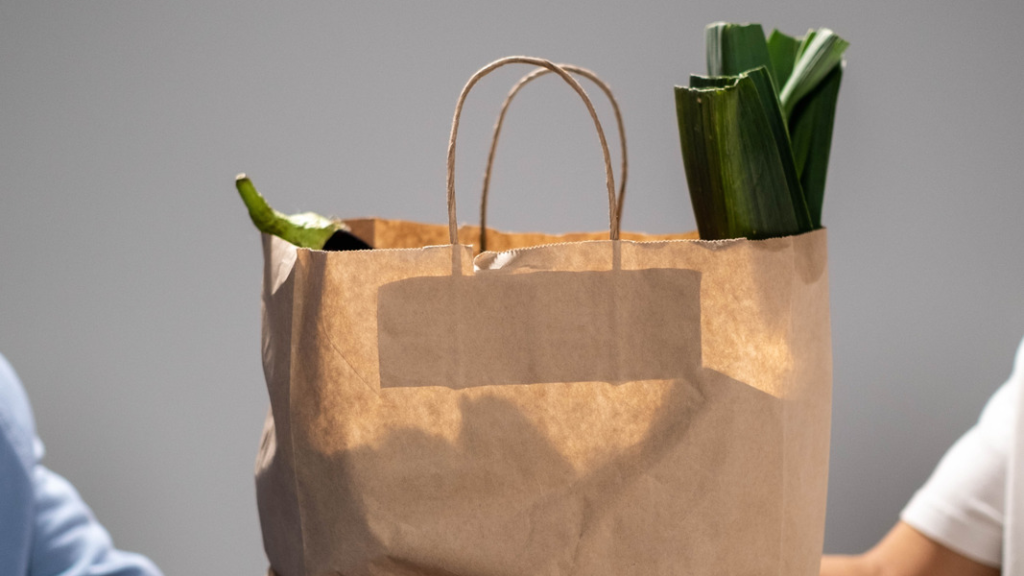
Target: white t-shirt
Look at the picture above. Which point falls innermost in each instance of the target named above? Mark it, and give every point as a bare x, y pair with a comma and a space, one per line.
973, 502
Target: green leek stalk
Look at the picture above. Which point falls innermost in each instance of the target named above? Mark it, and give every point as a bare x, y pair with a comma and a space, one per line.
305, 230
756, 133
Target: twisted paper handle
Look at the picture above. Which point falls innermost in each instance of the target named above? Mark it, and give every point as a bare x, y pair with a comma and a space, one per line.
501, 119
613, 220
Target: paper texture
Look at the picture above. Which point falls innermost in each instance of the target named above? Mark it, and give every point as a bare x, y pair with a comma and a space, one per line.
564, 405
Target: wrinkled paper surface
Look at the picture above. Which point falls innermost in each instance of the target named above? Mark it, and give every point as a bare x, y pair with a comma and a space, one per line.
563, 405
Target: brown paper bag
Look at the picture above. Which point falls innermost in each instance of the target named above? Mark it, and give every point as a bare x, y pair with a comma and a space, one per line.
558, 405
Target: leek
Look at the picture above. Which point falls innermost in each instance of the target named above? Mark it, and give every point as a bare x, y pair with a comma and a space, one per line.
756, 132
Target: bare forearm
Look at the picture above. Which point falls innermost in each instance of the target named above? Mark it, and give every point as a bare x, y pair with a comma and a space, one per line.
905, 552
847, 566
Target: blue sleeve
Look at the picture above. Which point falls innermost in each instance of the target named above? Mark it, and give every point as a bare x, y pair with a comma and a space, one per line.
15, 481
67, 539
45, 527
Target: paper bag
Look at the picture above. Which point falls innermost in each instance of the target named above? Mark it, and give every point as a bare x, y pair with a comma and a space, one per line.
558, 405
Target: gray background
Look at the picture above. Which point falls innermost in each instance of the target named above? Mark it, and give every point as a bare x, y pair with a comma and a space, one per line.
129, 272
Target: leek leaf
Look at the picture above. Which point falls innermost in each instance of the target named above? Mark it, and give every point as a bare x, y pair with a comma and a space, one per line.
810, 128
805, 42
735, 48
820, 52
782, 50
697, 81
780, 133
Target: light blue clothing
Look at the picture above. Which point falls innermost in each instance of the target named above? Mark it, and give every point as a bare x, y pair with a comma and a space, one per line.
45, 527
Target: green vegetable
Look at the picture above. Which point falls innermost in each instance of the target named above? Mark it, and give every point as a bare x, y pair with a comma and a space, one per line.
756, 133
782, 51
735, 48
820, 52
734, 139
306, 230
810, 130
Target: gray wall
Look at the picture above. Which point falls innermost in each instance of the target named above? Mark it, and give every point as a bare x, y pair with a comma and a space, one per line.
129, 273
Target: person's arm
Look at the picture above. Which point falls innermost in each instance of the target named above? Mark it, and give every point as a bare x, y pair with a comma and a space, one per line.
45, 527
954, 525
906, 552
67, 538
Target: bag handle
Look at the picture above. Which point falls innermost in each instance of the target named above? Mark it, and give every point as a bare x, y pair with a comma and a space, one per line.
501, 119
453, 231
